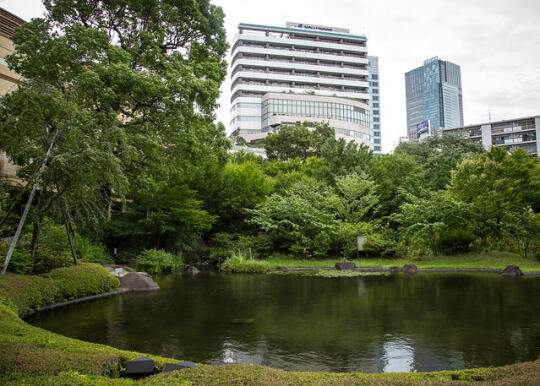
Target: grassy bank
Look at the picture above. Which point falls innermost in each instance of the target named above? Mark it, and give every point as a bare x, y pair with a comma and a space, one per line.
495, 259
30, 355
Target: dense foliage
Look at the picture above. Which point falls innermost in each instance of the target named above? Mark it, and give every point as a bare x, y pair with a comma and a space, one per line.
123, 93
157, 261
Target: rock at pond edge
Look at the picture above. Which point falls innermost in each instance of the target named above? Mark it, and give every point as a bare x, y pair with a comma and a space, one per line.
192, 270
410, 268
138, 281
345, 266
512, 270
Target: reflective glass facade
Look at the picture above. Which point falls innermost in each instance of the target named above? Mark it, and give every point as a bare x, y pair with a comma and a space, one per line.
315, 109
434, 94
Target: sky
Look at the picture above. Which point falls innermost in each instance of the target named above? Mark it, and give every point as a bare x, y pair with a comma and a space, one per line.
496, 43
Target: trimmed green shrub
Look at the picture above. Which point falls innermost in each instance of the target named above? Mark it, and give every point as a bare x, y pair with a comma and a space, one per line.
30, 293
156, 261
240, 264
82, 280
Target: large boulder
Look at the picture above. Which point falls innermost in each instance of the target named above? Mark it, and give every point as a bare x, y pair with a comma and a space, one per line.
410, 268
192, 270
345, 266
512, 270
138, 281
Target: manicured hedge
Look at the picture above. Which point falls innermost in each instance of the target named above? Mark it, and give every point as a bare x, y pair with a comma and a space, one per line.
82, 280
29, 293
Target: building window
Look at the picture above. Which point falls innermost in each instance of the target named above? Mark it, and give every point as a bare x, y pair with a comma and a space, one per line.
377, 148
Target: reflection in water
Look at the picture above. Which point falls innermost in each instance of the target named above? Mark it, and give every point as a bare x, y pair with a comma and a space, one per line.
370, 323
398, 356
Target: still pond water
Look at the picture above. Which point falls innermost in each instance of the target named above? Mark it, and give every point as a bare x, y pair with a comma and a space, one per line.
372, 323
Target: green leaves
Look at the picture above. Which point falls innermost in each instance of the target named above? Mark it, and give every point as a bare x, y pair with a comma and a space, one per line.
297, 141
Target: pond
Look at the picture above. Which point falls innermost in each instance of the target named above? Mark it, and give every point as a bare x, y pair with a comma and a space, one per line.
372, 323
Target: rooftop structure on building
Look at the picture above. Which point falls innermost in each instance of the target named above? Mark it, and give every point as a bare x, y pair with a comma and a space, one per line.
300, 72
512, 134
434, 98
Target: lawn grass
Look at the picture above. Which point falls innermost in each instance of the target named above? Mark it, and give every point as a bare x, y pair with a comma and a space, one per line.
494, 259
33, 356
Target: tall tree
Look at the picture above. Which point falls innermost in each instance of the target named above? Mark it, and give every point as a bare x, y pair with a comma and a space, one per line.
123, 92
342, 157
437, 156
302, 140
396, 176
497, 185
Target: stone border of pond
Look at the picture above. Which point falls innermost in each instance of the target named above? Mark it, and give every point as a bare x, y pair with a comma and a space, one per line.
510, 270
74, 301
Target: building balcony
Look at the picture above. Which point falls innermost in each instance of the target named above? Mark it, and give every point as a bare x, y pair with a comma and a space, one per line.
299, 42
299, 54
259, 88
286, 64
314, 80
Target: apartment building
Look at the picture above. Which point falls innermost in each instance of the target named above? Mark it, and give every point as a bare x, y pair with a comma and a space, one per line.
8, 78
300, 72
512, 134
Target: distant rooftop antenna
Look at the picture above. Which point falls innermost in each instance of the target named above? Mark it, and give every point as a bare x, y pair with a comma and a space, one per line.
489, 115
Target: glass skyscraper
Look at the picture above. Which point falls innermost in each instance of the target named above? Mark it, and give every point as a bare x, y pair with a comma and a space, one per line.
434, 96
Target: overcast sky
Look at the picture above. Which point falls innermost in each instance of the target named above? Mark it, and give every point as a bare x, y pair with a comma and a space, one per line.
496, 43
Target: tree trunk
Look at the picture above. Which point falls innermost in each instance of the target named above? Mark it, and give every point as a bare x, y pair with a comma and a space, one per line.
68, 231
33, 247
36, 229
28, 204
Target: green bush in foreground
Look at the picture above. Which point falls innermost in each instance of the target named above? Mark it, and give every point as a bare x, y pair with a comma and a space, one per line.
157, 261
82, 280
240, 264
30, 293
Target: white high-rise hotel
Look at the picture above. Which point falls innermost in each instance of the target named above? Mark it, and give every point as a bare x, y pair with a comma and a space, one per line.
300, 72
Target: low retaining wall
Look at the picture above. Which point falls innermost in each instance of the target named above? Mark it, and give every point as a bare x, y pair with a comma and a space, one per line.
75, 301
400, 269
